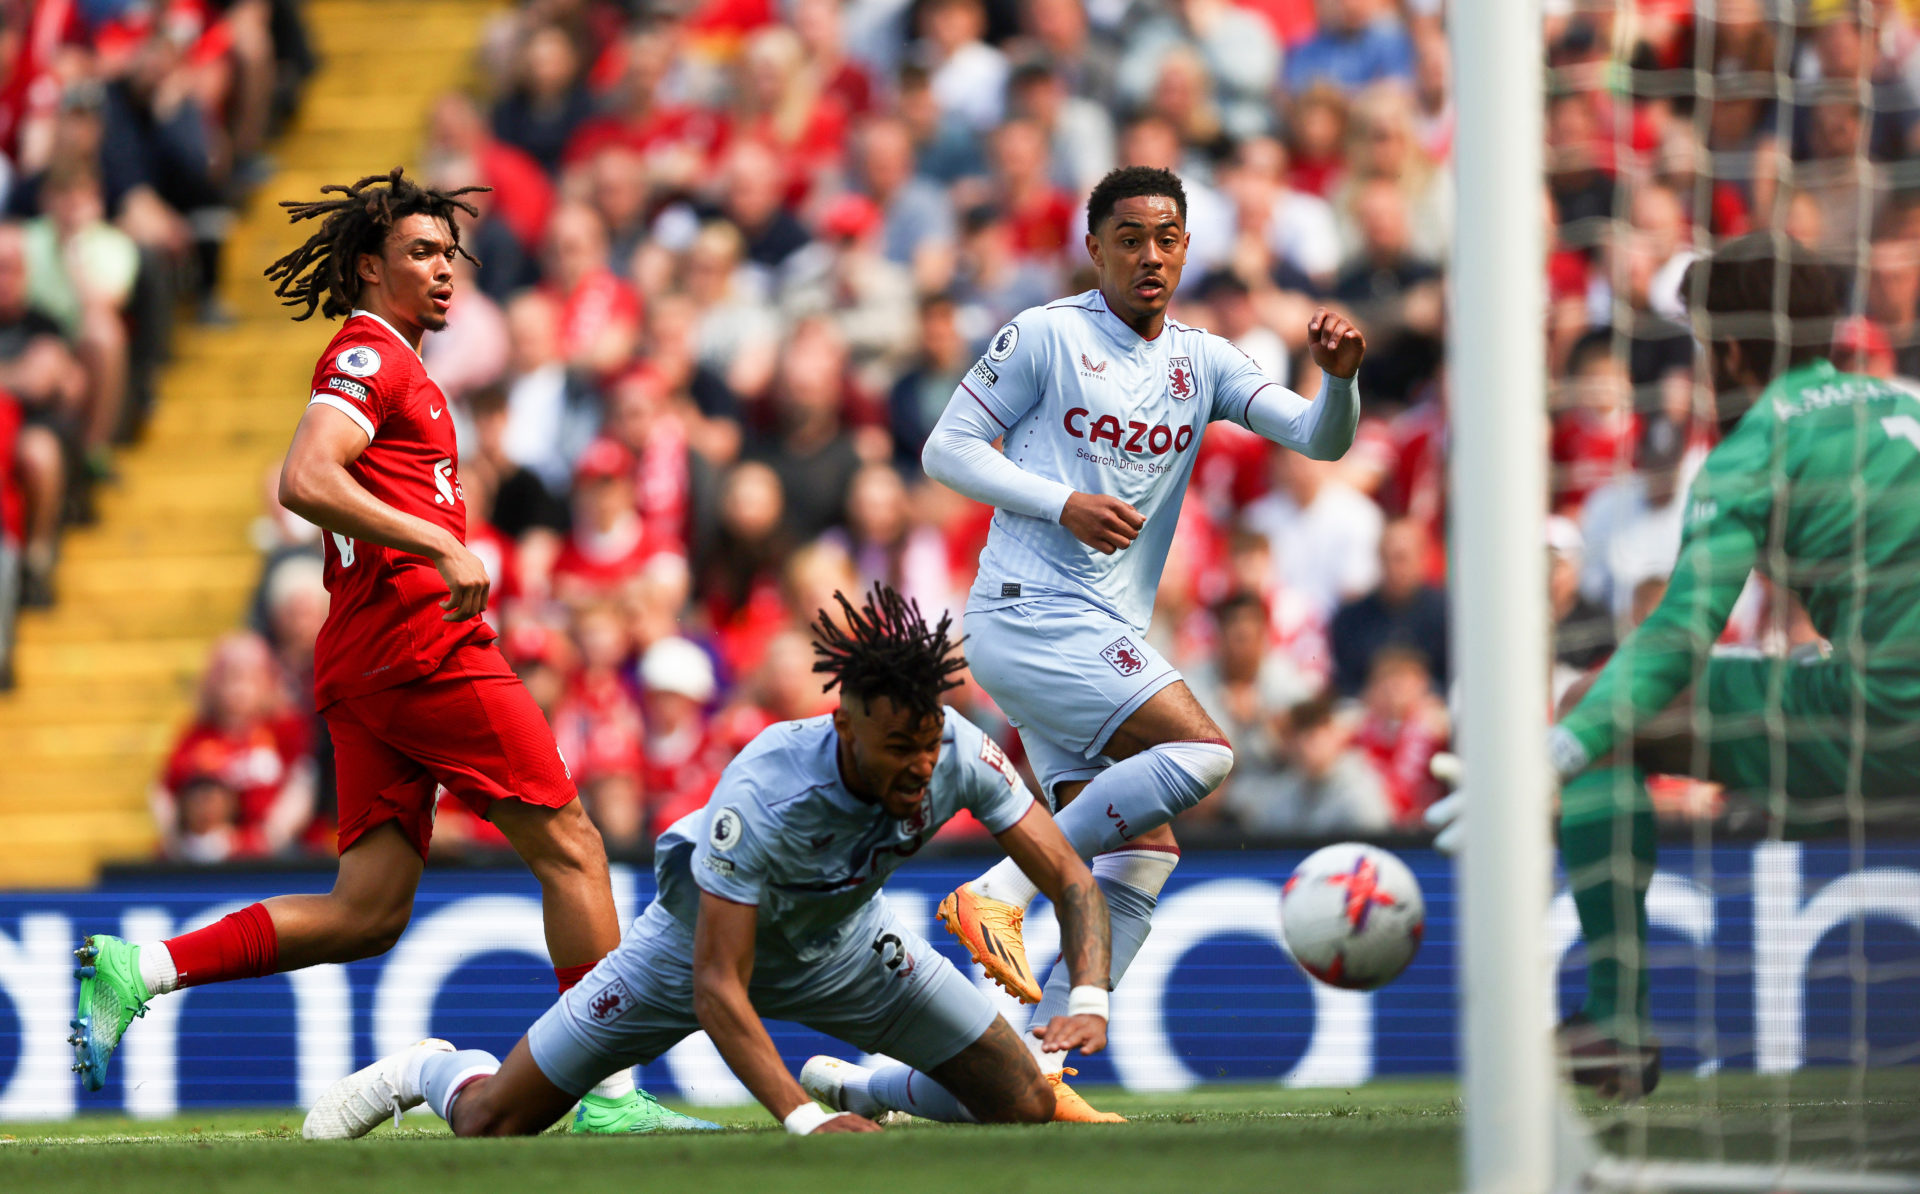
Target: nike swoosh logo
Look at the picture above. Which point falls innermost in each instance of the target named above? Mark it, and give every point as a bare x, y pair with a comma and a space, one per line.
435, 413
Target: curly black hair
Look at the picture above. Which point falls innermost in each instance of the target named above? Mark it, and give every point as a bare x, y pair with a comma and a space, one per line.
320, 273
1131, 182
886, 650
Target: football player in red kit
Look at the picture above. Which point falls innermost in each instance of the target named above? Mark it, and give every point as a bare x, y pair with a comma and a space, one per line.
414, 691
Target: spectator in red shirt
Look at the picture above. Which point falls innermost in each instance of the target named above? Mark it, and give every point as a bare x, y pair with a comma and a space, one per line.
1405, 725
599, 313
1040, 215
842, 80
639, 420
609, 542
1594, 431
522, 195
600, 729
778, 101
245, 738
739, 576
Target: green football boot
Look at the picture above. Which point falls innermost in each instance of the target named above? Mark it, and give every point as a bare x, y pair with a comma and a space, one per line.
111, 995
638, 1112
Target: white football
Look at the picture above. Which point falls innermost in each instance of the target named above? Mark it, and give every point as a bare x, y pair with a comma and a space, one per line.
1352, 915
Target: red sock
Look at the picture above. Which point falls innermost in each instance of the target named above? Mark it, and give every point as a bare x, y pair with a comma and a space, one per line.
570, 976
243, 945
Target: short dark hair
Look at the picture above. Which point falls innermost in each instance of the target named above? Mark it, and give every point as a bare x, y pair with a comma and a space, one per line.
1133, 182
887, 650
1311, 713
1238, 602
1740, 290
1595, 344
322, 272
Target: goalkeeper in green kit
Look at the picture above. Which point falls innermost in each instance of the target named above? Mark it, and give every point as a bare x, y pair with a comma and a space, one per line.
1815, 484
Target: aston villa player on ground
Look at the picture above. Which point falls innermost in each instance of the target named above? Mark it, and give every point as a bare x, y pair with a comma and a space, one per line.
414, 691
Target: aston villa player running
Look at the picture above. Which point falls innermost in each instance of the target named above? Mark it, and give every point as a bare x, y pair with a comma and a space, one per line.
414, 691
1100, 401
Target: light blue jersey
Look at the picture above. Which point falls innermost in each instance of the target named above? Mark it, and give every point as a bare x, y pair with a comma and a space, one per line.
1086, 402
783, 833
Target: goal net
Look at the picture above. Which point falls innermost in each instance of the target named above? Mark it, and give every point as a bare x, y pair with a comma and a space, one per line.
1777, 967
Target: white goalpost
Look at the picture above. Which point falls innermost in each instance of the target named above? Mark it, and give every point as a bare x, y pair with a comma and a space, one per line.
1496, 370
1522, 1133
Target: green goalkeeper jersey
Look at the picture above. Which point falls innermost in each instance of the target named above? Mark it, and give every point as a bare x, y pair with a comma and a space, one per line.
1818, 488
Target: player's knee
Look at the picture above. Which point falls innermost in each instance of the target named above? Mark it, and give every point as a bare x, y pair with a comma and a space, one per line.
1195, 768
378, 930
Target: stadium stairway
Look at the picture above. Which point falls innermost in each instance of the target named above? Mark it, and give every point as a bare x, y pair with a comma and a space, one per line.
107, 677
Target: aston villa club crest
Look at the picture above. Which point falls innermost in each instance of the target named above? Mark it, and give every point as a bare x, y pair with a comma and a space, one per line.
610, 1002
1124, 656
1180, 378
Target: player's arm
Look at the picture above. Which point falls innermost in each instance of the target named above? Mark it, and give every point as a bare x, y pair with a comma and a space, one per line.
1322, 429
315, 484
722, 968
1660, 658
960, 455
1042, 851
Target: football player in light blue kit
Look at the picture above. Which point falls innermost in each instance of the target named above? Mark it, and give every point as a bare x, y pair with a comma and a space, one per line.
769, 904
1100, 401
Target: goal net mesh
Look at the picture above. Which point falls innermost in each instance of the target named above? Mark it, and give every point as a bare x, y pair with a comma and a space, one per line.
1783, 944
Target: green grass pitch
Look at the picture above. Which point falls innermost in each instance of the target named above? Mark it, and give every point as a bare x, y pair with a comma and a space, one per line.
1401, 1136
1378, 1137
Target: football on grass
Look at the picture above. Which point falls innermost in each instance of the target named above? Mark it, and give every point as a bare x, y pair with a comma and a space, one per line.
1352, 915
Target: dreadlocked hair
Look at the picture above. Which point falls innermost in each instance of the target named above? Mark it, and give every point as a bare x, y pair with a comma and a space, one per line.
886, 650
320, 273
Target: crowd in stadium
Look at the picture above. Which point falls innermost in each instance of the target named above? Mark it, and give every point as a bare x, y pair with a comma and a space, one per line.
129, 131
738, 254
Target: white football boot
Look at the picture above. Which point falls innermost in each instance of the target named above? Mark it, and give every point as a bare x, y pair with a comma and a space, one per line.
825, 1078
357, 1103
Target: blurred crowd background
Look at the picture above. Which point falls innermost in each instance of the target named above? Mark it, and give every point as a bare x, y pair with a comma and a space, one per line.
130, 130
738, 254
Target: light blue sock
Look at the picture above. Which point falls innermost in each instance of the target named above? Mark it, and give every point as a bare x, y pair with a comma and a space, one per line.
1142, 793
443, 1074
1130, 913
901, 1088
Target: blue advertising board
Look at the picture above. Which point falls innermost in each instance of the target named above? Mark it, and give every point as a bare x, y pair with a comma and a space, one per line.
1768, 943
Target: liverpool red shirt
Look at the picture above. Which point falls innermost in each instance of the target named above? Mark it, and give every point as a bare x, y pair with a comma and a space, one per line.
384, 624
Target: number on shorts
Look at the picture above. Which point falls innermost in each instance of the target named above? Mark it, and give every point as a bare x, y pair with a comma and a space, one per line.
345, 546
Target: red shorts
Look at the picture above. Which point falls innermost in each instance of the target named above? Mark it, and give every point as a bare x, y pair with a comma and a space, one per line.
471, 726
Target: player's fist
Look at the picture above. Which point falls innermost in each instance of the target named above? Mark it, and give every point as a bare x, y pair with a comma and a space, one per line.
843, 1123
467, 583
1085, 1033
1337, 345
1102, 521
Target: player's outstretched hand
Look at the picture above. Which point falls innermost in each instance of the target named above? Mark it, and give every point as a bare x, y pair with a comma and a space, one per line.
1337, 345
1085, 1033
845, 1122
1101, 521
467, 584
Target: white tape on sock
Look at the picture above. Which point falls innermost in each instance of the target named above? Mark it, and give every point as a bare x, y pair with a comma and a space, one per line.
1143, 868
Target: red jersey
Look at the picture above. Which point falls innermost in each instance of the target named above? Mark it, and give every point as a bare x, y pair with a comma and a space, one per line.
254, 763
384, 624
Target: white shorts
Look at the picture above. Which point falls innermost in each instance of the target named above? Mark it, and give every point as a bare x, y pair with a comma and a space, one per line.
1067, 675
888, 992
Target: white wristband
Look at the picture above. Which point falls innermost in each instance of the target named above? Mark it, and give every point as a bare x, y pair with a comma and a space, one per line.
1569, 758
802, 1120
1087, 1001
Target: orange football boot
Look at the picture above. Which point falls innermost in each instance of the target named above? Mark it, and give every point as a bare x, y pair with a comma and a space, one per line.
1070, 1108
990, 929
